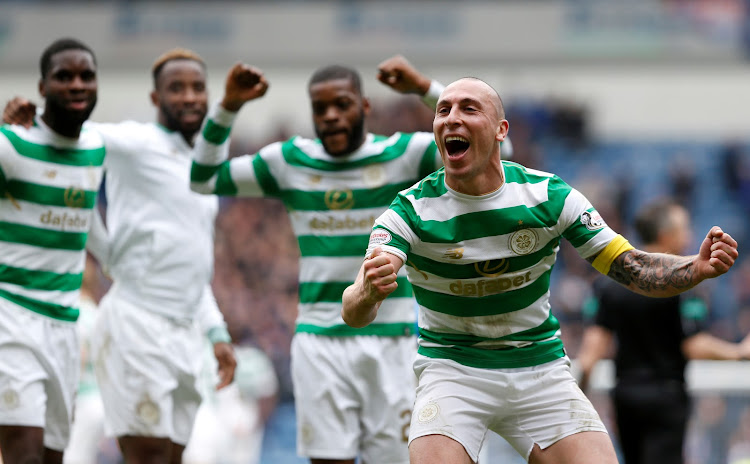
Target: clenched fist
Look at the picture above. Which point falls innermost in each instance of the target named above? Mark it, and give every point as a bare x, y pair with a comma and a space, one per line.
244, 83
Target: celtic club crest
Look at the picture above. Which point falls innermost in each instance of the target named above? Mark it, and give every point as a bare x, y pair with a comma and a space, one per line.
523, 241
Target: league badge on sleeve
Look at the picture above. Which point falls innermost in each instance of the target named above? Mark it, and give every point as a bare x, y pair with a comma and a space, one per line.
592, 220
379, 237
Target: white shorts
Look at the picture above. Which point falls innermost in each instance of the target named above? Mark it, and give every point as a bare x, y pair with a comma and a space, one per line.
147, 367
540, 404
353, 396
39, 369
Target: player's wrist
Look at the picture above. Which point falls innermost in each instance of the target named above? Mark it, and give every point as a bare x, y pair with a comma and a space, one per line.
231, 105
423, 85
222, 116
432, 95
219, 335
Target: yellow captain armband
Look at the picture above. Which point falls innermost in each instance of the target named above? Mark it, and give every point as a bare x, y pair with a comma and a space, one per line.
616, 247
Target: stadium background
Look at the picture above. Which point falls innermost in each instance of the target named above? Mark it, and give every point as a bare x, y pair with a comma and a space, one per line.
625, 100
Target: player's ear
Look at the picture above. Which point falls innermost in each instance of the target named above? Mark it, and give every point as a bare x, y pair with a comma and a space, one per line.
155, 98
42, 92
366, 105
502, 130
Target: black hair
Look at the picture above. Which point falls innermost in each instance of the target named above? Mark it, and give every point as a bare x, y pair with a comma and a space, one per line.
60, 45
332, 72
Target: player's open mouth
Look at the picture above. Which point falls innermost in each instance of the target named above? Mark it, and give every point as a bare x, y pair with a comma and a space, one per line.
456, 146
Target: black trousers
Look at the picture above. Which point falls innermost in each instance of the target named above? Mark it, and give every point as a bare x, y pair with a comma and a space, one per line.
651, 420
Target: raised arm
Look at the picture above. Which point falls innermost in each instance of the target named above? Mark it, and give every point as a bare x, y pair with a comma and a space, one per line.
397, 73
375, 281
663, 275
211, 172
243, 83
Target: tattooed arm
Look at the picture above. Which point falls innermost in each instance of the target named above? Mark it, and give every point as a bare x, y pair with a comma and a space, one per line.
662, 275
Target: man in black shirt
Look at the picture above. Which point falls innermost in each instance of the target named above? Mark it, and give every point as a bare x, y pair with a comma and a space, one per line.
655, 338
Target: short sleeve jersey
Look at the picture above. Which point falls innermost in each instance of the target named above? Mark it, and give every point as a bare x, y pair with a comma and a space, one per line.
480, 266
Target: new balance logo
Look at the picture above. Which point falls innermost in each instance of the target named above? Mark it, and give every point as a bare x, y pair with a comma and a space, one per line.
454, 253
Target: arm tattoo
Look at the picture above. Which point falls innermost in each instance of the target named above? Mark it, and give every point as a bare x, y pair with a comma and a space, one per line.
653, 271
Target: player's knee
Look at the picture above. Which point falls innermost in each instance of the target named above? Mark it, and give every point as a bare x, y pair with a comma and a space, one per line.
22, 445
143, 450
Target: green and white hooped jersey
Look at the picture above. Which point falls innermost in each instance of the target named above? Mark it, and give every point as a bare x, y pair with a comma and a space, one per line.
481, 265
48, 189
332, 203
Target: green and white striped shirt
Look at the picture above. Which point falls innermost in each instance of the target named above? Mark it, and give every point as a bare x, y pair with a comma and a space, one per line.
332, 203
49, 185
481, 265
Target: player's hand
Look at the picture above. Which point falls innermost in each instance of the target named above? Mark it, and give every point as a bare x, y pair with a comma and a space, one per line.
244, 83
397, 73
224, 354
19, 111
379, 276
745, 348
717, 254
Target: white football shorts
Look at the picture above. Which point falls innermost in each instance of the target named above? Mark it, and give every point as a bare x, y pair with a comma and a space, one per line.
39, 369
353, 396
540, 404
147, 367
